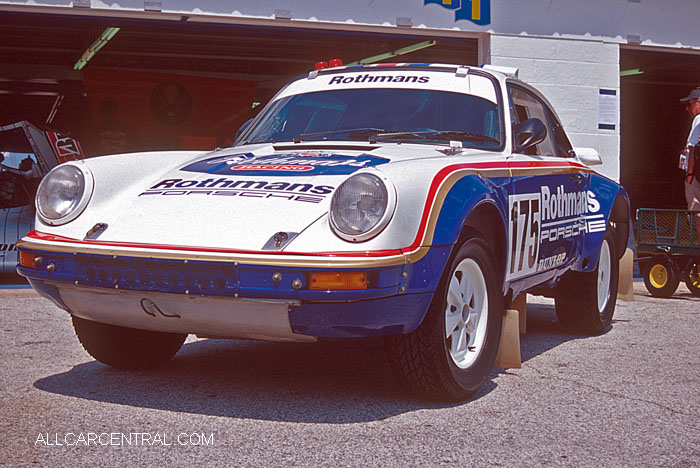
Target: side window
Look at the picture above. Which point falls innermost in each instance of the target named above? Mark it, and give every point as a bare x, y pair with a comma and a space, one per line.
525, 105
563, 144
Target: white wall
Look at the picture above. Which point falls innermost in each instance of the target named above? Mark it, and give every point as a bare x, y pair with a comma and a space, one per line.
670, 23
570, 73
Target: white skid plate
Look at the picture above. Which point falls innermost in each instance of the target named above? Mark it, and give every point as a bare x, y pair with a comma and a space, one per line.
213, 317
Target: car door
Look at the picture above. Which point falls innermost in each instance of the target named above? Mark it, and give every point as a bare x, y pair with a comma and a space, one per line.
548, 195
16, 218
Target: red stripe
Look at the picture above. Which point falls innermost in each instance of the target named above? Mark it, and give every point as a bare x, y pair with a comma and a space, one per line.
527, 164
137, 245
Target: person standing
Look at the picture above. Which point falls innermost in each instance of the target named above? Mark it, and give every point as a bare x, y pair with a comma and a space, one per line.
691, 150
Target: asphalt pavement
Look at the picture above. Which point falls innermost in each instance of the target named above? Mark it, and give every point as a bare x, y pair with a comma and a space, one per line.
626, 398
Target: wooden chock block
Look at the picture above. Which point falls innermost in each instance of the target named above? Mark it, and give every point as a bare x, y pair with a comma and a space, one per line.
520, 304
625, 288
508, 356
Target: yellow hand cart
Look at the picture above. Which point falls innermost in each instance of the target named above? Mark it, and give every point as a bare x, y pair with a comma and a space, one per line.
668, 248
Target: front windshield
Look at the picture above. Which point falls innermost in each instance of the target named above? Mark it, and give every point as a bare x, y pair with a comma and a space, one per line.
418, 115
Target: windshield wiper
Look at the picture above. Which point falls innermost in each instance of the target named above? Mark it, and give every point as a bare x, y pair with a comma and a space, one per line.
458, 135
418, 135
438, 135
354, 133
382, 134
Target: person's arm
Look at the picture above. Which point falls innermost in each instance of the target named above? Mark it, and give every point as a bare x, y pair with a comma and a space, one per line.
691, 165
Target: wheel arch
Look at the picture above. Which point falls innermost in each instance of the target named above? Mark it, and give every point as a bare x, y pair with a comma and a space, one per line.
487, 221
620, 220
612, 201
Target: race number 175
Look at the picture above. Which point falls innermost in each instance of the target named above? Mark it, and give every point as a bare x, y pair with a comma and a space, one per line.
523, 234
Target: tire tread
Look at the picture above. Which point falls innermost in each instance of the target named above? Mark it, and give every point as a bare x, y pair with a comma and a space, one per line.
419, 359
126, 348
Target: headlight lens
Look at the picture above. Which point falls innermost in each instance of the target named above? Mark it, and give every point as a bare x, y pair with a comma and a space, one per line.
63, 194
361, 207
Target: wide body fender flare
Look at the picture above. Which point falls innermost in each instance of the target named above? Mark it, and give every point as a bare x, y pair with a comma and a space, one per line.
610, 199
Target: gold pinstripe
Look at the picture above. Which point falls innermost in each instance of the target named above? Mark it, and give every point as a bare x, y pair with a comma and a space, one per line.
409, 255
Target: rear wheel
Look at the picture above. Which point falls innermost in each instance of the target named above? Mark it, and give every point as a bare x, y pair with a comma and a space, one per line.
126, 348
692, 277
661, 277
585, 301
449, 356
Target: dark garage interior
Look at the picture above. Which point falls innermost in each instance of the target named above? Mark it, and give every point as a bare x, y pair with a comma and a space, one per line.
654, 124
216, 76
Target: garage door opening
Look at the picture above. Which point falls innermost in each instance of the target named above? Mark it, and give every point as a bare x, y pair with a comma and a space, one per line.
654, 124
172, 85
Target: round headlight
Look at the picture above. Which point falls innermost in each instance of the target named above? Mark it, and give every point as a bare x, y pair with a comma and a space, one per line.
361, 207
64, 193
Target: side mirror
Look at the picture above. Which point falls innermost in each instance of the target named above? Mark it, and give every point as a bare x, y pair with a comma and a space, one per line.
529, 133
588, 156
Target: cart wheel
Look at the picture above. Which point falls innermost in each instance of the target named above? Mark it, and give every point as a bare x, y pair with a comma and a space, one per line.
692, 278
661, 277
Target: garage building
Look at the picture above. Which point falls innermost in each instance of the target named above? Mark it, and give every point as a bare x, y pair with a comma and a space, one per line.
186, 74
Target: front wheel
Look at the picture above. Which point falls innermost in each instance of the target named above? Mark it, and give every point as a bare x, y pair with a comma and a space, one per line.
585, 301
692, 277
449, 356
126, 348
661, 277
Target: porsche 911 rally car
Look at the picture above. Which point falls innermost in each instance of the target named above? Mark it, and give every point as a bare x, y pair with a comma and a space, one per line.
411, 201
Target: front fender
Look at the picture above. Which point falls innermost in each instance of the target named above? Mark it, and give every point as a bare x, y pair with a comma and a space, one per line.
462, 200
468, 201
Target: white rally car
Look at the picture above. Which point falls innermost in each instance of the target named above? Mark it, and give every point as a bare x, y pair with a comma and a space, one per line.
411, 201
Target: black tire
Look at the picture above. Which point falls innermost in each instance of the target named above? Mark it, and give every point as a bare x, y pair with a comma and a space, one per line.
126, 348
427, 360
661, 276
585, 301
692, 277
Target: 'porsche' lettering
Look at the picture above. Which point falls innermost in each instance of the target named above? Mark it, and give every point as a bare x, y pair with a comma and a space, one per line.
243, 184
263, 189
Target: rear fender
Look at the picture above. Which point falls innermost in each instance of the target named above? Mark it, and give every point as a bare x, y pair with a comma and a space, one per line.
610, 200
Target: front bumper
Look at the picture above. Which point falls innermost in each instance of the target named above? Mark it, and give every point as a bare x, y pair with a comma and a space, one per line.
229, 298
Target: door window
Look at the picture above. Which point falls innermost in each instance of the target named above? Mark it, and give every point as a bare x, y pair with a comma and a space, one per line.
563, 145
524, 106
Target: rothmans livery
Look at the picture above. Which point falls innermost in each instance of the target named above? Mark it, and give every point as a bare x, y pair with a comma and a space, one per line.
410, 201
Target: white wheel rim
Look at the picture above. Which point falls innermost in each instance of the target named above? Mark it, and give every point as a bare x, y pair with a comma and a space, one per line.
466, 313
604, 268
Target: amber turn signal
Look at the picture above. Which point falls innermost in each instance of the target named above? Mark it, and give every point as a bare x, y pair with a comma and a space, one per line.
338, 281
27, 260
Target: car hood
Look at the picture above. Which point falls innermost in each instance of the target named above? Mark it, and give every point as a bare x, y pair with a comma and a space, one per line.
238, 198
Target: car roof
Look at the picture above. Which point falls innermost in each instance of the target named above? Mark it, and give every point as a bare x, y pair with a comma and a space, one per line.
495, 71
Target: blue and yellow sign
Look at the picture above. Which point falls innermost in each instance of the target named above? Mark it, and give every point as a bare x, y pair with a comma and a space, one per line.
476, 11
